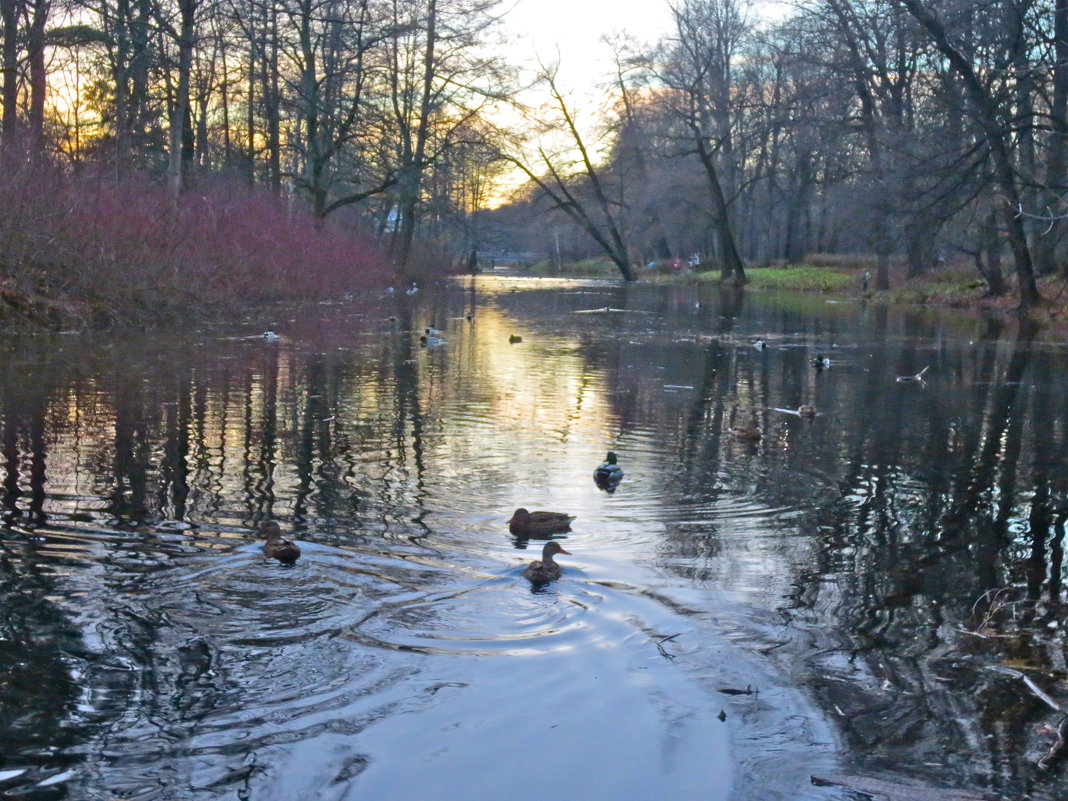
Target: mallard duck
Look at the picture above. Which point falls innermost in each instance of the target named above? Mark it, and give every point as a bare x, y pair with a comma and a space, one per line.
806, 410
539, 524
515, 338
760, 344
820, 361
431, 331
608, 473
429, 341
270, 336
277, 546
750, 432
545, 570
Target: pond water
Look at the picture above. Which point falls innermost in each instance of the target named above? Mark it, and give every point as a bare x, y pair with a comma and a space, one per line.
884, 578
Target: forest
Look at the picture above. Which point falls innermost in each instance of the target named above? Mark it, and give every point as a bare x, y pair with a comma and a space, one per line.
912, 133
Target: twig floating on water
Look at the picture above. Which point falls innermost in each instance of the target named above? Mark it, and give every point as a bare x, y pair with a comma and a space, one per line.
731, 691
917, 377
1041, 695
660, 645
1058, 744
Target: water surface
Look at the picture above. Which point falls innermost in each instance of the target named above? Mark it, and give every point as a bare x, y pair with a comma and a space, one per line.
884, 576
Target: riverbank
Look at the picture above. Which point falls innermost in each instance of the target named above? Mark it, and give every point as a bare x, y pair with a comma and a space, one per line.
954, 286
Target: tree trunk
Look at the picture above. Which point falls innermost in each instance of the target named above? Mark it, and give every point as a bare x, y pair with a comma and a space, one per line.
10, 11
733, 269
180, 113
1046, 256
412, 182
35, 51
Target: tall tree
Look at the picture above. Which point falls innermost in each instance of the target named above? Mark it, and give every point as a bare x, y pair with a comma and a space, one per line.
993, 120
582, 195
699, 73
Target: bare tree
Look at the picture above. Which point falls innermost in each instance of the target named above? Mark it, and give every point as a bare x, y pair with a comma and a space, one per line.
991, 119
698, 71
596, 213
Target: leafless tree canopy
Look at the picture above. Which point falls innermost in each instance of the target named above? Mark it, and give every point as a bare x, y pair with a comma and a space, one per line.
908, 130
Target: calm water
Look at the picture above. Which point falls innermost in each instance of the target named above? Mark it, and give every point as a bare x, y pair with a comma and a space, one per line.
887, 575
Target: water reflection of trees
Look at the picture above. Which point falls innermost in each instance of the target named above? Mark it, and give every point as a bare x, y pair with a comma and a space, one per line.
920, 499
900, 507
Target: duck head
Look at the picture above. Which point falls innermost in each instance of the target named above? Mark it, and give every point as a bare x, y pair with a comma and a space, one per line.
551, 549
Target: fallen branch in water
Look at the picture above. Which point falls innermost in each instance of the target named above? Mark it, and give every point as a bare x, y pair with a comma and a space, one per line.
1058, 744
1038, 691
731, 691
895, 791
660, 647
917, 377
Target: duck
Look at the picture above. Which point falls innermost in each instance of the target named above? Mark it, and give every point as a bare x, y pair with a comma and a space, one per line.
515, 338
470, 317
750, 432
412, 289
760, 344
430, 341
608, 473
431, 331
806, 410
277, 546
539, 524
545, 570
819, 361
270, 336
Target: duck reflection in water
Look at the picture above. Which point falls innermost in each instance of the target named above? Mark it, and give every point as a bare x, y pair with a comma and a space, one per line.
545, 570
277, 546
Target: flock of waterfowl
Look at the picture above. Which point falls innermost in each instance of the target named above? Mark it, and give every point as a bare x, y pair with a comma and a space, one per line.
524, 525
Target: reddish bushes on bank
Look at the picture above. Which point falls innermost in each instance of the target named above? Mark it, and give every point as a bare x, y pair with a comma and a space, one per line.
106, 250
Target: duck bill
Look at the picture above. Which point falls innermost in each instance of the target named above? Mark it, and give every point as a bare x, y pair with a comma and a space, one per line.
567, 552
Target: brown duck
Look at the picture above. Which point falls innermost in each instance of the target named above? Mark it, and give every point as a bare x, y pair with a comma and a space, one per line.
545, 570
277, 546
539, 524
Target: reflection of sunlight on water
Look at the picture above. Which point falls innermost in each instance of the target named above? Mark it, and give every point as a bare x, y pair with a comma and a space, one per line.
405, 642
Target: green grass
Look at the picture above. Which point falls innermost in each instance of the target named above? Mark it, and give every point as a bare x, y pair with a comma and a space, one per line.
803, 278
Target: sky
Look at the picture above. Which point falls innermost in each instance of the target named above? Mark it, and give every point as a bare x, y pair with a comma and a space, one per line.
576, 27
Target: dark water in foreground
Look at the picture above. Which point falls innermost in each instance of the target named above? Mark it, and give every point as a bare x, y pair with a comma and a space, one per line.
888, 574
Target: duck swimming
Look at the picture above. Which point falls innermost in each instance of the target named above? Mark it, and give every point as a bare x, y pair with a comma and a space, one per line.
539, 524
545, 570
515, 338
270, 336
608, 473
750, 432
806, 410
277, 546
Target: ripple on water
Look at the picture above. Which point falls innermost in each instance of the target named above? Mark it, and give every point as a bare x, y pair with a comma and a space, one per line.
502, 616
